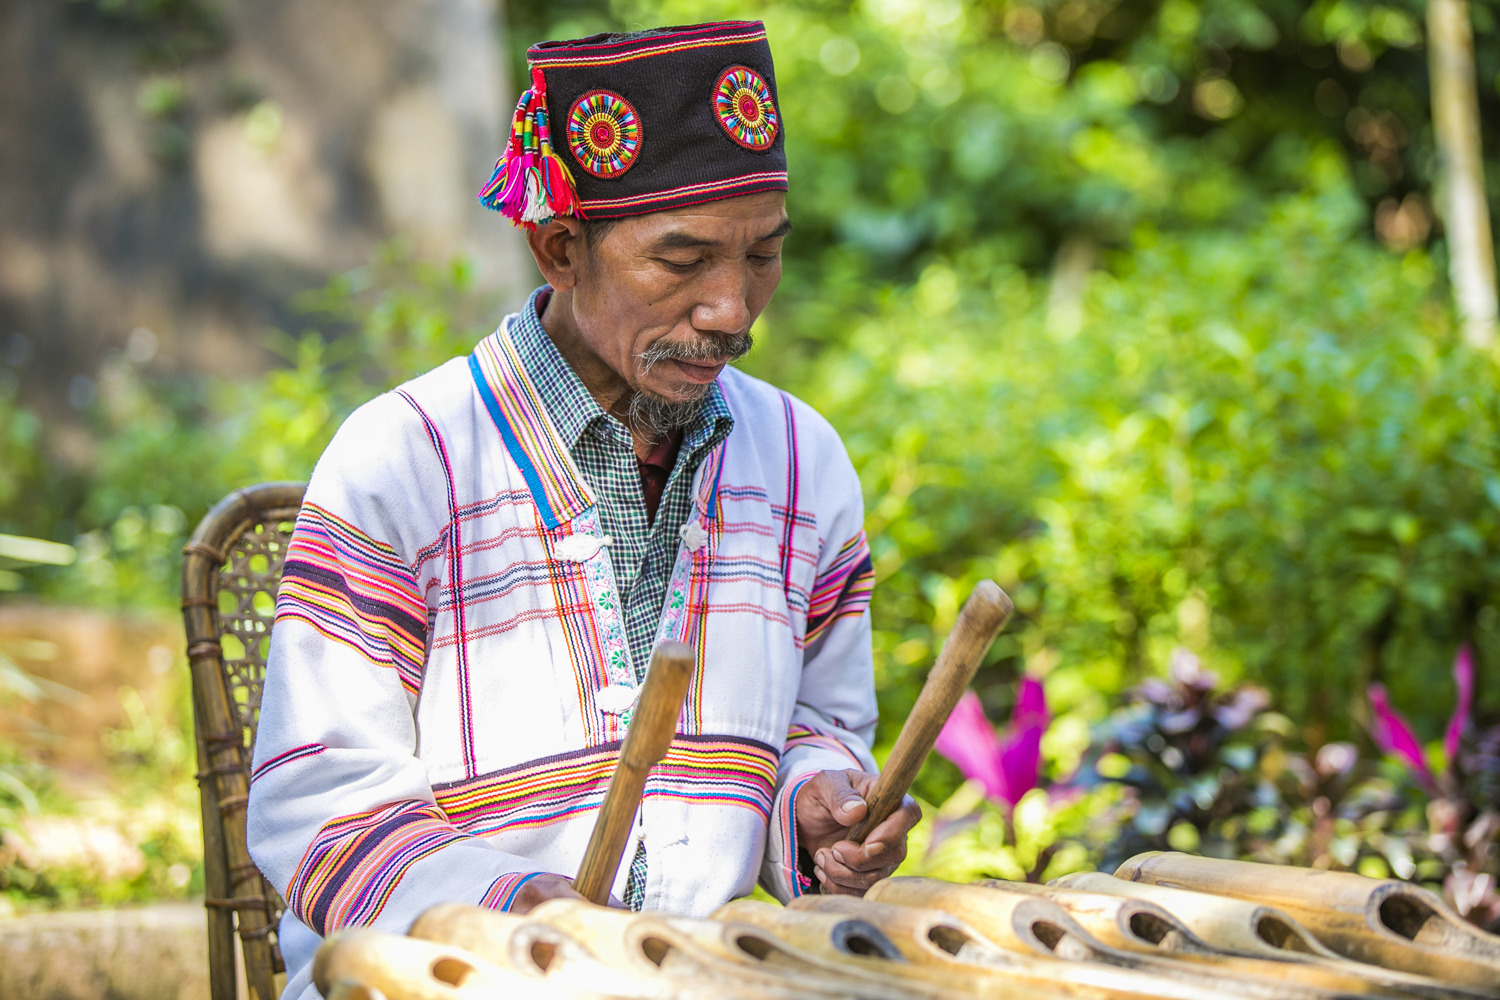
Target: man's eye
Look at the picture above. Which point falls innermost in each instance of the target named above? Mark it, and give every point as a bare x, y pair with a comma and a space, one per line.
681, 266
765, 258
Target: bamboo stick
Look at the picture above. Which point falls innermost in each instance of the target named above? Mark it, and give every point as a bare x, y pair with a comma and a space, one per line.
1462, 201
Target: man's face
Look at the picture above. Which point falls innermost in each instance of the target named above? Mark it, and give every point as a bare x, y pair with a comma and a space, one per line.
667, 299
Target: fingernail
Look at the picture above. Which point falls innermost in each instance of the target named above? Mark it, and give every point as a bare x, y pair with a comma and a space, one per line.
874, 849
822, 858
821, 877
840, 855
851, 804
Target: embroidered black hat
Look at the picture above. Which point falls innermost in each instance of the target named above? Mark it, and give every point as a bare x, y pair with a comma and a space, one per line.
617, 125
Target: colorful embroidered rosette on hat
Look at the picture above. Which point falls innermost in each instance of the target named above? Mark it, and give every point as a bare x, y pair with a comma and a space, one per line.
644, 122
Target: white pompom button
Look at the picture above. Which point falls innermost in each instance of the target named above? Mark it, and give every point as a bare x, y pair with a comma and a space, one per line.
580, 548
616, 699
693, 536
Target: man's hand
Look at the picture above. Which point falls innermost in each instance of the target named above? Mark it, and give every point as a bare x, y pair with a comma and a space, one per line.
827, 808
547, 886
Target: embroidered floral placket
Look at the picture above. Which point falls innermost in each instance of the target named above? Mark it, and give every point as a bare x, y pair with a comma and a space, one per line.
619, 695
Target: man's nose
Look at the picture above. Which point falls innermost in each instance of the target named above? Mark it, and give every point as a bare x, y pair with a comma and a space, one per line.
722, 307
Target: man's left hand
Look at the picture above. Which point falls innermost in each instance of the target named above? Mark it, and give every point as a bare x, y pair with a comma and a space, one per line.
828, 807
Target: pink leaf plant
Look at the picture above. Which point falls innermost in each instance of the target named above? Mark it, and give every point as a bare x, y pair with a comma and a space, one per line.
1006, 766
1395, 737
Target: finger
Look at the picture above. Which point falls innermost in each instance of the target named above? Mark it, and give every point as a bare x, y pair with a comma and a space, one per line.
838, 877
845, 804
893, 829
863, 781
877, 857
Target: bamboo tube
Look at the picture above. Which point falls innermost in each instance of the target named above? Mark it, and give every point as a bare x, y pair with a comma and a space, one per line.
1233, 926
646, 743
522, 945
1030, 922
703, 951
371, 964
981, 618
980, 969
1145, 927
1462, 202
1384, 922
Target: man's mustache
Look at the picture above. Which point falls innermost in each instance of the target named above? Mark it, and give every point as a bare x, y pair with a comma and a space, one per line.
716, 349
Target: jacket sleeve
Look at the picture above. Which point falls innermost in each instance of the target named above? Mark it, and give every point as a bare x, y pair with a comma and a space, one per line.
341, 817
833, 722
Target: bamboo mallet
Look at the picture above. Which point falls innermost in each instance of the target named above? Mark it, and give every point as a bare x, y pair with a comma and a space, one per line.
982, 617
651, 730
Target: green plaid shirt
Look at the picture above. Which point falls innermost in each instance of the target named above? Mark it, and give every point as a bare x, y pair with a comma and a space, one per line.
643, 552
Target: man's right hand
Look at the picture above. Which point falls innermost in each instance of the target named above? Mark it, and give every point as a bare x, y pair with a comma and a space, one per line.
547, 886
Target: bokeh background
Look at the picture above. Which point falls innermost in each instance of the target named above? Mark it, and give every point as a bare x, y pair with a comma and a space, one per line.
1140, 307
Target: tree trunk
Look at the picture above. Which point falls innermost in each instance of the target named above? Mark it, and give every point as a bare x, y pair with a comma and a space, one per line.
1465, 211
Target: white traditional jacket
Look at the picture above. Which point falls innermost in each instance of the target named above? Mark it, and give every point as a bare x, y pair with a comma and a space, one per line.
449, 677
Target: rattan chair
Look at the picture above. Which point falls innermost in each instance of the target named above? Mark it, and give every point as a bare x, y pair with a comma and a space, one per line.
230, 572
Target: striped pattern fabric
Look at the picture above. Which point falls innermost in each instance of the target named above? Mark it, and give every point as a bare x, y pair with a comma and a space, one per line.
432, 724
788, 857
501, 894
642, 553
698, 36
286, 757
690, 194
355, 591
354, 863
802, 735
843, 589
733, 772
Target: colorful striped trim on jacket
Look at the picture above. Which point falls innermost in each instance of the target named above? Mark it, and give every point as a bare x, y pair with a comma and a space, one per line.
355, 862
786, 818
356, 591
843, 590
800, 734
501, 895
713, 769
286, 757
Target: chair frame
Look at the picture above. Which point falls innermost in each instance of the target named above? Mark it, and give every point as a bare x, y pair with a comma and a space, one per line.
223, 594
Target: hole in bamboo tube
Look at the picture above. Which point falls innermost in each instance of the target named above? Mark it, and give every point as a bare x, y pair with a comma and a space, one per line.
1060, 942
346, 990
950, 939
1279, 934
656, 950
858, 937
1404, 915
453, 971
766, 951
1150, 928
542, 954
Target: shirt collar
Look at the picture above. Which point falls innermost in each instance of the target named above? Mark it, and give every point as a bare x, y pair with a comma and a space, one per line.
573, 408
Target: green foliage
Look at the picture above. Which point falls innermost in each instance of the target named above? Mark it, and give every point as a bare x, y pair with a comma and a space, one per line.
1267, 448
1231, 422
140, 842
1190, 760
170, 448
1043, 838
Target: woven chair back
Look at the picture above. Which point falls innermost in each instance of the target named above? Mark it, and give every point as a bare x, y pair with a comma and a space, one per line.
230, 573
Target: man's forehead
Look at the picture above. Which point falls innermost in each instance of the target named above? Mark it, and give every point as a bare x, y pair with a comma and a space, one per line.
717, 223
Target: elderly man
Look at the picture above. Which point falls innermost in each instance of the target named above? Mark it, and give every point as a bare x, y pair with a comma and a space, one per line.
487, 555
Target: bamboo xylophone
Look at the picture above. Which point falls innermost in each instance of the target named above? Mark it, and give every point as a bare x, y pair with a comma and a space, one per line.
1164, 926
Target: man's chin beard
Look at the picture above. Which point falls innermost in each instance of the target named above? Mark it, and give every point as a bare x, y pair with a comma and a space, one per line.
662, 416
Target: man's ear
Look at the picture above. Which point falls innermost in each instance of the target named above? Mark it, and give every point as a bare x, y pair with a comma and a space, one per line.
558, 249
